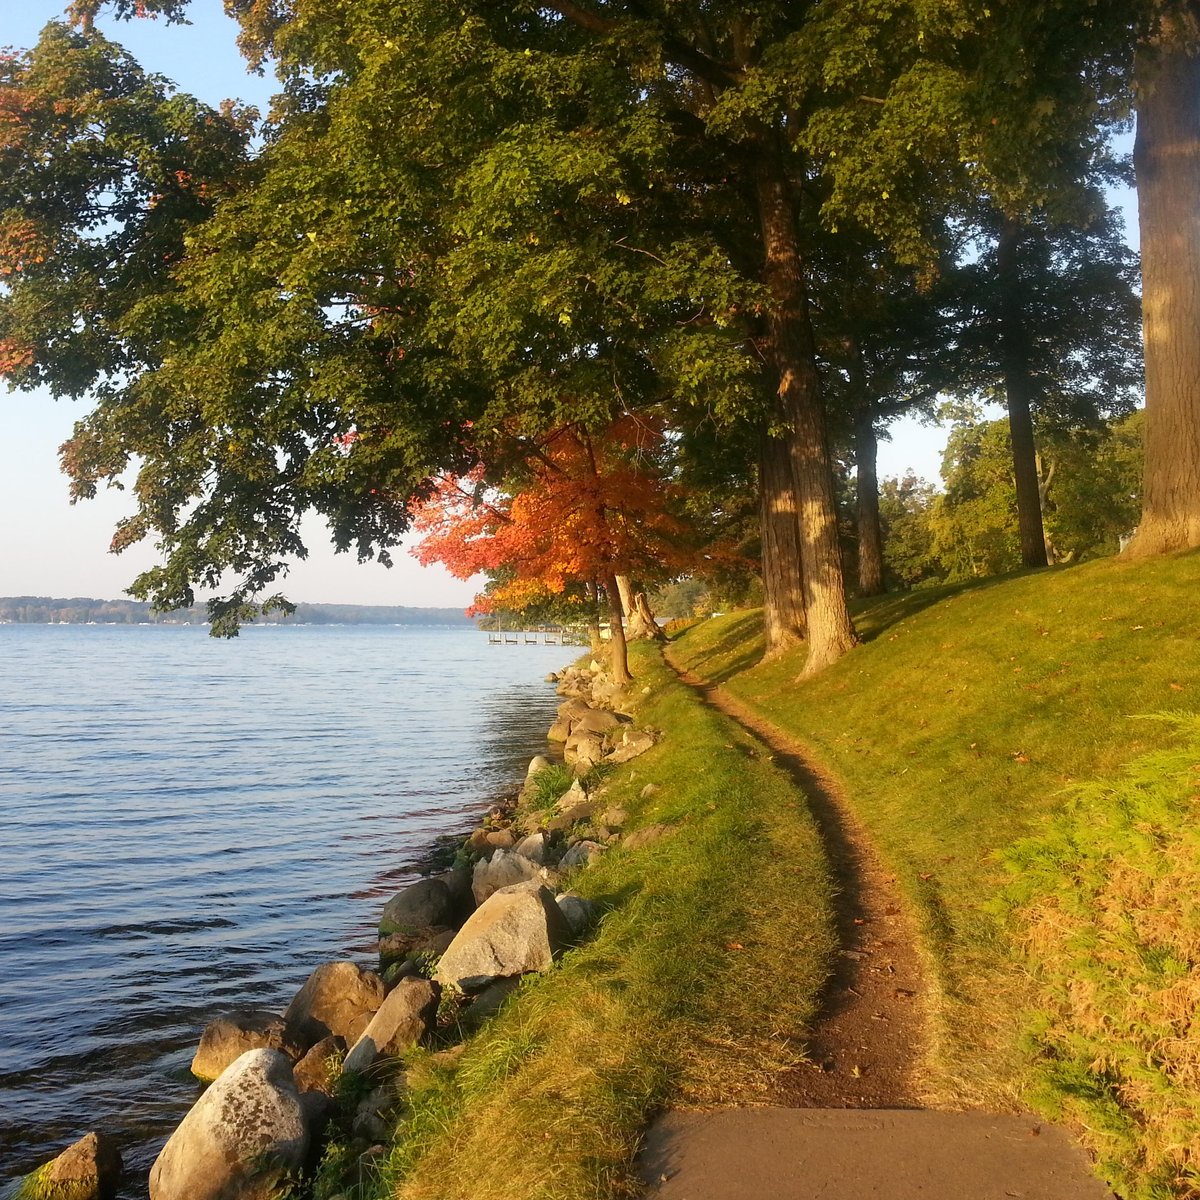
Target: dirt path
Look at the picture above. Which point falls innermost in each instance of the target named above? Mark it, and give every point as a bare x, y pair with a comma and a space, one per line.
866, 1047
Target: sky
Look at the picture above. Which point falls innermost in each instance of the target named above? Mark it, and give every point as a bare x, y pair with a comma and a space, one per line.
50, 547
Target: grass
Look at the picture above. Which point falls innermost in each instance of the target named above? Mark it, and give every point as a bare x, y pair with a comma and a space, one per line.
698, 984
959, 728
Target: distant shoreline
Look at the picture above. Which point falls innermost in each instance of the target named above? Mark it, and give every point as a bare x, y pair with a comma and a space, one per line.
84, 610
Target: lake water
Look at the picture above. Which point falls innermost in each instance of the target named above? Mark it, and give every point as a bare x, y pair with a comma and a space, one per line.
190, 824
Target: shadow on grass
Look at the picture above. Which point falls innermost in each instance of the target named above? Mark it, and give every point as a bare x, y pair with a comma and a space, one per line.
739, 641
874, 615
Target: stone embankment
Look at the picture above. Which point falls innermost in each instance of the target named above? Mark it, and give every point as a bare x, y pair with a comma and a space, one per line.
453, 948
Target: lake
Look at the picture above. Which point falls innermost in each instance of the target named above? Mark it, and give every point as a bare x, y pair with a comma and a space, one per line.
190, 824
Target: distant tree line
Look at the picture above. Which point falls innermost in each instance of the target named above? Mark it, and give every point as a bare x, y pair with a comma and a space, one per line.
48, 610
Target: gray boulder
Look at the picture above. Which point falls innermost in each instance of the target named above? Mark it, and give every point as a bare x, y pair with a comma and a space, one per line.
88, 1170
581, 854
572, 797
517, 929
230, 1035
422, 905
584, 750
242, 1139
407, 1015
502, 870
559, 731
580, 914
539, 762
339, 998
614, 818
398, 946
533, 848
487, 1004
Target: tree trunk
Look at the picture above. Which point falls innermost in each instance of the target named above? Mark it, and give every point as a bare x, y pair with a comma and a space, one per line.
617, 648
642, 623
593, 623
1019, 391
866, 455
1166, 158
783, 592
626, 590
827, 619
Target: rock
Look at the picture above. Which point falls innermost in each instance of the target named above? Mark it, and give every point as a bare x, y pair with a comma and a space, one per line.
340, 998
243, 1138
400, 970
501, 839
584, 751
615, 817
580, 914
651, 789
319, 1068
407, 1015
552, 677
573, 708
539, 762
478, 842
532, 847
88, 1170
371, 1116
517, 929
230, 1035
559, 731
581, 812
487, 1004
396, 947
643, 837
606, 693
595, 720
574, 795
634, 742
502, 870
425, 904
438, 942
581, 854
458, 880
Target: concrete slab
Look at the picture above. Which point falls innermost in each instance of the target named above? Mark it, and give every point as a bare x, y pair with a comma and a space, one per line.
854, 1154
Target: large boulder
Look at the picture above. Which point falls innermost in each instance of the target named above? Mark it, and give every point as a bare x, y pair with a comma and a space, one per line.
502, 870
230, 1035
88, 1170
533, 848
407, 1015
572, 797
339, 998
241, 1140
425, 904
517, 929
584, 751
396, 947
559, 731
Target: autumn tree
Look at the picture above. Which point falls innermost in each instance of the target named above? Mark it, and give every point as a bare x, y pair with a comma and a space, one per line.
571, 508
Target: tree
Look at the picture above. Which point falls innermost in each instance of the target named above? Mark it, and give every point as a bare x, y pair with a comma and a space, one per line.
587, 510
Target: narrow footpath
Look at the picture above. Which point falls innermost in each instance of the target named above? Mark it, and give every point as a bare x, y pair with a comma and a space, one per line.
847, 1124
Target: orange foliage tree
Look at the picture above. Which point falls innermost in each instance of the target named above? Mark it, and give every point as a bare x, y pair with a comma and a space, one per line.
577, 508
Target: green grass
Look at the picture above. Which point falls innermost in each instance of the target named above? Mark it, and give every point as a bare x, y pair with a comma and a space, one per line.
699, 983
958, 728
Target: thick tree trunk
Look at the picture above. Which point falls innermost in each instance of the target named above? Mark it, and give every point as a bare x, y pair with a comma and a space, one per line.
626, 590
1167, 162
866, 455
783, 592
827, 619
618, 650
640, 624
1019, 391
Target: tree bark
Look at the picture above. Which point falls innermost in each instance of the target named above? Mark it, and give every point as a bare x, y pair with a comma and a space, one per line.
1166, 159
593, 624
626, 590
827, 619
783, 592
1019, 392
866, 455
618, 650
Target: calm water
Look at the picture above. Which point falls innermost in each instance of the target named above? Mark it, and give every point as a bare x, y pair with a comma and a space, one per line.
188, 824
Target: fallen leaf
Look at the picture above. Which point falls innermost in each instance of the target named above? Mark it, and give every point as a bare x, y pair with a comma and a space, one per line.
734, 946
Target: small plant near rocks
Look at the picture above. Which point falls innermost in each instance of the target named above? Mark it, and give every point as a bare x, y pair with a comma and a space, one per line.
452, 1000
427, 963
546, 786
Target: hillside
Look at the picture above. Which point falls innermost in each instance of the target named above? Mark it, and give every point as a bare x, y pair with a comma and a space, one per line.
1059, 920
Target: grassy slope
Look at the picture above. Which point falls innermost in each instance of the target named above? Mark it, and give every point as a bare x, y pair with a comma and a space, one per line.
956, 729
710, 956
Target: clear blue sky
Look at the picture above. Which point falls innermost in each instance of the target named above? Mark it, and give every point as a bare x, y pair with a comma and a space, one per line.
48, 547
